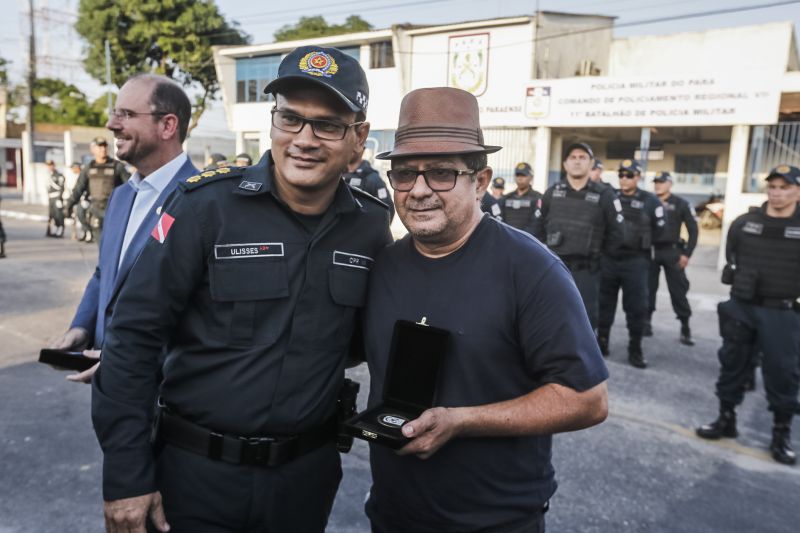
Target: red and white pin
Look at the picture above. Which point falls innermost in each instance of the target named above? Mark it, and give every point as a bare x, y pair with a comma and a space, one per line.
161, 230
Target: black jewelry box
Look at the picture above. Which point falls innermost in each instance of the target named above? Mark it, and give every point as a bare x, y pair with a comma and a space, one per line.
412, 376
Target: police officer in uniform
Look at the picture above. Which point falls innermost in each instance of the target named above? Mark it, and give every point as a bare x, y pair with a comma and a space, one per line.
361, 174
596, 175
672, 253
253, 279
628, 266
518, 206
99, 178
577, 220
2, 239
498, 187
55, 193
763, 254
491, 206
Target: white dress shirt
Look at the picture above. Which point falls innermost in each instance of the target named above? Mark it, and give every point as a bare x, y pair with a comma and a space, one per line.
148, 189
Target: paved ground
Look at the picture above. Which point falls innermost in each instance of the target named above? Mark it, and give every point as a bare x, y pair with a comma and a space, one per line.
641, 471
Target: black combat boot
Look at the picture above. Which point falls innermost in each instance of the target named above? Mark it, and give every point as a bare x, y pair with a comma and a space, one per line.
781, 445
686, 333
2, 248
647, 328
602, 341
723, 426
635, 355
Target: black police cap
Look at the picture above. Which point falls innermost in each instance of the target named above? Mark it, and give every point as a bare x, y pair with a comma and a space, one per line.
663, 176
523, 169
327, 67
788, 172
499, 183
630, 165
579, 146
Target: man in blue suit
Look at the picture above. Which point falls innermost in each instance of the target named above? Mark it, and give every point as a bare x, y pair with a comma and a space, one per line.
149, 124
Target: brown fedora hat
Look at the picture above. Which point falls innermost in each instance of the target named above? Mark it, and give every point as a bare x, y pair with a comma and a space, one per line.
436, 121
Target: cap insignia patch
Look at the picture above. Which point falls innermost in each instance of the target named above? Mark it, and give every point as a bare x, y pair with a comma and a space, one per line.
318, 64
783, 169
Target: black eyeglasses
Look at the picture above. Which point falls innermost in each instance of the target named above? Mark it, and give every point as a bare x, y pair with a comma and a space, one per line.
626, 175
127, 114
328, 130
437, 179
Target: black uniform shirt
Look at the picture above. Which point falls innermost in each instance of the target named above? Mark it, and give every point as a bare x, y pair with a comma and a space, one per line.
518, 208
368, 180
643, 220
256, 312
678, 211
490, 205
82, 183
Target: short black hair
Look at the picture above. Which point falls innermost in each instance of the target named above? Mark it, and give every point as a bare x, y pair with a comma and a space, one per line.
168, 97
476, 161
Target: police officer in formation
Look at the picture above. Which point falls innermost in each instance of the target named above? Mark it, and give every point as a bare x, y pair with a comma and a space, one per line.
55, 193
628, 266
578, 219
498, 187
98, 178
249, 287
360, 174
518, 206
763, 313
491, 206
596, 175
672, 253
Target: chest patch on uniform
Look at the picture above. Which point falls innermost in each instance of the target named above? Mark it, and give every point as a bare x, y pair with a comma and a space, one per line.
560, 193
246, 250
637, 204
617, 205
496, 210
163, 225
355, 182
792, 232
250, 186
592, 197
518, 204
382, 193
753, 228
669, 207
352, 260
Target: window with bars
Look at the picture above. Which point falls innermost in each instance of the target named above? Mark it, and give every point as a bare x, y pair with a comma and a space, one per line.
381, 55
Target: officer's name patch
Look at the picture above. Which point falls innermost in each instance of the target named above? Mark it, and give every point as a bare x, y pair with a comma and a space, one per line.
638, 204
352, 260
559, 193
247, 250
163, 225
754, 228
592, 197
792, 232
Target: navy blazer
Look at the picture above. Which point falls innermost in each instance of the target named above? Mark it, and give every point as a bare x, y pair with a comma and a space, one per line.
94, 311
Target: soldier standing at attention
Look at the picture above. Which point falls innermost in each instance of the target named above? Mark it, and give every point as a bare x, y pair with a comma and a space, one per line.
518, 206
99, 178
577, 220
672, 254
628, 266
55, 192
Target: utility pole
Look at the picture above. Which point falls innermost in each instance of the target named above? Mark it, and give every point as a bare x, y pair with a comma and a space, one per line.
29, 125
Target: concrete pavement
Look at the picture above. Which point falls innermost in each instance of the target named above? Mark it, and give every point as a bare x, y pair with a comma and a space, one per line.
642, 470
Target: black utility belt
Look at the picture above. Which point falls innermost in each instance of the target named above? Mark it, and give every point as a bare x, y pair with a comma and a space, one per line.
665, 245
254, 451
774, 303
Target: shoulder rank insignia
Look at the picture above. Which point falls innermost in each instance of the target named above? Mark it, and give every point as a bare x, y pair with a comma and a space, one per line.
211, 175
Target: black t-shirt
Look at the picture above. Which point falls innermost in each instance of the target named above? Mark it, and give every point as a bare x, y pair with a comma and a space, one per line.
508, 337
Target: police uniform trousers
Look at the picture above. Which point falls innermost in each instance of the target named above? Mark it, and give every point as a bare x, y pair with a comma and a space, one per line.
204, 495
82, 214
746, 329
667, 257
586, 274
56, 213
532, 525
629, 273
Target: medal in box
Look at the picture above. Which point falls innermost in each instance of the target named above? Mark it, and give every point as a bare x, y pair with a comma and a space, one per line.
412, 376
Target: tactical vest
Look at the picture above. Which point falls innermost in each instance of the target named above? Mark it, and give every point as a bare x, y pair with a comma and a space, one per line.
637, 225
767, 257
575, 224
101, 183
672, 228
518, 210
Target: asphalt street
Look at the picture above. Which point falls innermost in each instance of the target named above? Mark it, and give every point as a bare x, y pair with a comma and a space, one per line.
643, 470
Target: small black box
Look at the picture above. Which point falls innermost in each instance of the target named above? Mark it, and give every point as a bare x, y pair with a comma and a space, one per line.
412, 376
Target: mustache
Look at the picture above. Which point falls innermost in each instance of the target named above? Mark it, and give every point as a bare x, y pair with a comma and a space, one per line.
423, 205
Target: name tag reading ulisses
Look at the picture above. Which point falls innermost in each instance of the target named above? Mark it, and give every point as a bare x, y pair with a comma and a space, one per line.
244, 251
352, 260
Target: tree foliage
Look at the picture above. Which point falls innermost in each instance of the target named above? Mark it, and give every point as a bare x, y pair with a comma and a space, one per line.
309, 27
58, 102
169, 37
3, 71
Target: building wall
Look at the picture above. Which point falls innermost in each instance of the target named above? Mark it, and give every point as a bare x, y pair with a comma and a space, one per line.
564, 43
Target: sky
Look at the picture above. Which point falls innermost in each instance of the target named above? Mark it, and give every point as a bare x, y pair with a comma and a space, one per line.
60, 50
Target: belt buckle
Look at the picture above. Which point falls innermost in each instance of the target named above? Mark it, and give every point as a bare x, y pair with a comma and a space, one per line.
256, 450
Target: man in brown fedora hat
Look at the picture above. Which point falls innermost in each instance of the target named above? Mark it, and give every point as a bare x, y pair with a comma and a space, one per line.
522, 362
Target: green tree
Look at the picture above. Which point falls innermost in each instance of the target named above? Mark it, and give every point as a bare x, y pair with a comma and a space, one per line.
58, 102
3, 71
309, 27
169, 37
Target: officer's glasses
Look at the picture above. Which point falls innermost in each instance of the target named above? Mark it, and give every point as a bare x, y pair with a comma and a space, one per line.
626, 175
327, 130
437, 179
127, 114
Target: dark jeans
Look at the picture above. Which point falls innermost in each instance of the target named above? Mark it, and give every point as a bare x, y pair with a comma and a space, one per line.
203, 495
536, 525
746, 329
677, 282
630, 274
